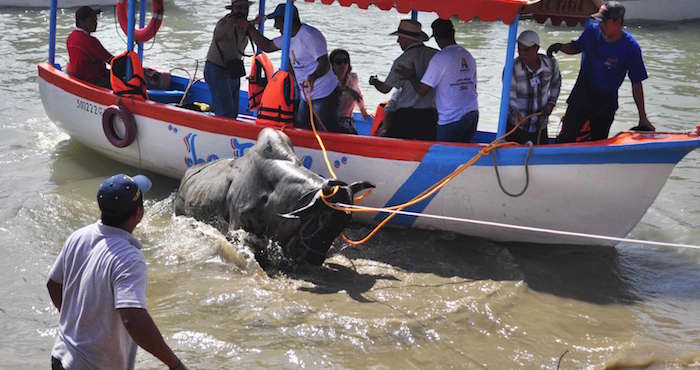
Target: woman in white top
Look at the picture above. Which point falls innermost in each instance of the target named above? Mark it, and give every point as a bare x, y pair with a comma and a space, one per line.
351, 94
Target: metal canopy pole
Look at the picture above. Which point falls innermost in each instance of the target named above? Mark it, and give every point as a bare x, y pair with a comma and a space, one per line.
287, 35
414, 15
261, 13
130, 36
507, 76
52, 32
142, 22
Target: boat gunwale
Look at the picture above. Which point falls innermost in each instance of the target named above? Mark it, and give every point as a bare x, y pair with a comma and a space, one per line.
366, 146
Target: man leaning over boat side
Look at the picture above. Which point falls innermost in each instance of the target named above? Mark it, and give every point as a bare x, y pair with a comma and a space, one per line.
452, 74
610, 54
409, 115
308, 55
87, 57
224, 66
98, 284
534, 88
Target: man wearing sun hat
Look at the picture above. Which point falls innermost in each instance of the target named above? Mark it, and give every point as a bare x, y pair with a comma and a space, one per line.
610, 54
534, 88
409, 115
98, 284
224, 66
452, 75
86, 54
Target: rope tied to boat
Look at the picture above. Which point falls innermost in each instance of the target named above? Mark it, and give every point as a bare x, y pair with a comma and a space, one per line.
427, 193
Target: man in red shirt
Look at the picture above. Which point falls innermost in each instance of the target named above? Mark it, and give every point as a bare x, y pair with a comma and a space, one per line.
86, 53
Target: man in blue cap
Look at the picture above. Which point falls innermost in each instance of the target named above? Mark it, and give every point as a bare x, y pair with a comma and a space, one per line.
308, 55
610, 54
98, 284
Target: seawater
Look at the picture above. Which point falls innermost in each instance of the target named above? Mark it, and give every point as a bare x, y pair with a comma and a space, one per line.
407, 299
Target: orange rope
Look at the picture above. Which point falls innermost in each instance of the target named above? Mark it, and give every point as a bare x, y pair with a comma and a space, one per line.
431, 190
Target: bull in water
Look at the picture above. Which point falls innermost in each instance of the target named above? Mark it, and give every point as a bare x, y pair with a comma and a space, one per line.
268, 192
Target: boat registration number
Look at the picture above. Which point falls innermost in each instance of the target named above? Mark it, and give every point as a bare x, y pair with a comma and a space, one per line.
89, 107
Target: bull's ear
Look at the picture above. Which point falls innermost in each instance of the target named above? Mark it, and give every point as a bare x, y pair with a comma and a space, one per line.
359, 186
303, 211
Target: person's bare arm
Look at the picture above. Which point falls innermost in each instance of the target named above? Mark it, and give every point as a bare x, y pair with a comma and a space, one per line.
638, 94
322, 68
56, 293
379, 85
261, 41
145, 333
568, 48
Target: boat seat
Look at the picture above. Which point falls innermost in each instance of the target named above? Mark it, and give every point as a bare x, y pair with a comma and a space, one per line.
165, 96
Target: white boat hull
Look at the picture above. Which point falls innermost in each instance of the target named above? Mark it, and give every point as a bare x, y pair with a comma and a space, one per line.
606, 198
653, 10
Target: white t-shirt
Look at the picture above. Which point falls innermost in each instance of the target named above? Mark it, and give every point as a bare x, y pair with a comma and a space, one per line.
101, 269
452, 73
304, 50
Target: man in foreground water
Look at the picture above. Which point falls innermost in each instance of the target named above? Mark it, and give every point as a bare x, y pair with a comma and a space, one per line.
610, 54
98, 284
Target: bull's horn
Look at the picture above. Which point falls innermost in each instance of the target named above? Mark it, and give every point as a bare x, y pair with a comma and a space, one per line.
295, 214
358, 186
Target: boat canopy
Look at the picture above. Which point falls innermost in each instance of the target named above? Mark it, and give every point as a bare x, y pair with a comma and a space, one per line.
466, 10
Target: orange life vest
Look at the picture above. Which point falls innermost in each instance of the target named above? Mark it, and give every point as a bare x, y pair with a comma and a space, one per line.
261, 70
277, 104
136, 86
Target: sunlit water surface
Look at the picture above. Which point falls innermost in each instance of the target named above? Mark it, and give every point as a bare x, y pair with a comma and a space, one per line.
407, 299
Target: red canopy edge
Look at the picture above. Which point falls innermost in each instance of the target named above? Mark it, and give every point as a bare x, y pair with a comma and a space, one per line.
466, 10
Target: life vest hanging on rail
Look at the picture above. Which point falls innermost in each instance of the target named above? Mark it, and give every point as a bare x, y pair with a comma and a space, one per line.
136, 85
277, 104
261, 70
141, 34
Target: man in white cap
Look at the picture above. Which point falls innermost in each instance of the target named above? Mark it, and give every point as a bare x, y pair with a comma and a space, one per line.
98, 284
534, 88
409, 115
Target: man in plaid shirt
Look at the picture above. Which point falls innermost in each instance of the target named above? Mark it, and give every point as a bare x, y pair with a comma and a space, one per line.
534, 88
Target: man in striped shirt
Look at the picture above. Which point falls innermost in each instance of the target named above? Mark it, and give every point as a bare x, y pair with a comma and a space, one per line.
534, 88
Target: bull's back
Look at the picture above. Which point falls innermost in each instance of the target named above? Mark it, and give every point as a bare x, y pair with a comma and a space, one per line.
202, 193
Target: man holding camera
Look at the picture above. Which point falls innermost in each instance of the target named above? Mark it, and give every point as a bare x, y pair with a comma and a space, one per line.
224, 67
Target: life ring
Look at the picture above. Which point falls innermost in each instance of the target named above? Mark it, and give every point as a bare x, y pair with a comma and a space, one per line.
146, 33
110, 131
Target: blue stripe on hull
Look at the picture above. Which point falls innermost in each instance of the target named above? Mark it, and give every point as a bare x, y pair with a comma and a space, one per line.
441, 160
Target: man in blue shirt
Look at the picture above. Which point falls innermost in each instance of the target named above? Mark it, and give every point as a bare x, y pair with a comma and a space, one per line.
610, 53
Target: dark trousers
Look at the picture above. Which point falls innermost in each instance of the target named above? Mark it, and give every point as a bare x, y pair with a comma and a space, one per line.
412, 123
581, 124
325, 110
461, 131
56, 364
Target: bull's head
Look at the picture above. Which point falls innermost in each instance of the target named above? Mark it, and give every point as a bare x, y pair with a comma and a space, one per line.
319, 223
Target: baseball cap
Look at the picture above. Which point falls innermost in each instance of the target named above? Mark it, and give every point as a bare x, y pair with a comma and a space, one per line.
610, 10
120, 194
86, 11
442, 28
236, 2
529, 38
279, 12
